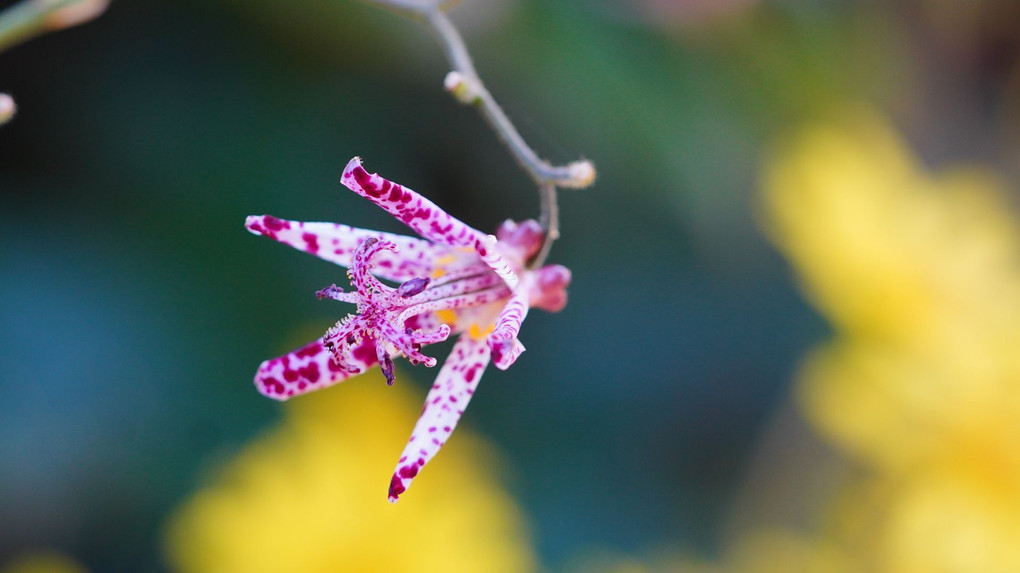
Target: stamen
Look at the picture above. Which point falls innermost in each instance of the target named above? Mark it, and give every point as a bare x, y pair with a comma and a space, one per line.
475, 298
336, 293
383, 311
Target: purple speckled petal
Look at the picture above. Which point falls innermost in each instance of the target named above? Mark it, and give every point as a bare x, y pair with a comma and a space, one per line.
503, 340
548, 288
454, 386
521, 240
488, 250
415, 211
310, 368
336, 244
425, 217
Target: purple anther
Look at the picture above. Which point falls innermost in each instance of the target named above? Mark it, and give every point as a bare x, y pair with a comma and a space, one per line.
386, 365
329, 292
412, 287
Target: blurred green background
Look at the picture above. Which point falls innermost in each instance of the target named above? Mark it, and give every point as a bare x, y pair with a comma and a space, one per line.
135, 307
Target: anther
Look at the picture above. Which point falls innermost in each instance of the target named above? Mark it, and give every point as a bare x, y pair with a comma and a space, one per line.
413, 286
386, 365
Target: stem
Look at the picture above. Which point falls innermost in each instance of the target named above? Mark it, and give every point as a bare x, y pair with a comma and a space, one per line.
550, 221
460, 60
32, 18
469, 88
19, 23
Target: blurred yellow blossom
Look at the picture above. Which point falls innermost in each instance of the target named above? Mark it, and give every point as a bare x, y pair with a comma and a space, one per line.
919, 275
306, 498
768, 550
42, 562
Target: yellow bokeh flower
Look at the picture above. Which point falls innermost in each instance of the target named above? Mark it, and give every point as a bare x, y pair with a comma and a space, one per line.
888, 251
43, 561
919, 275
306, 497
919, 388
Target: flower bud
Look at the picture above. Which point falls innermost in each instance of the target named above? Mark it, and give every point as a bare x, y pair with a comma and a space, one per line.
582, 174
7, 108
460, 87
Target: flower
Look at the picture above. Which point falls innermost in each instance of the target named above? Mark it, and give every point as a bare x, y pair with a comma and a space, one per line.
457, 280
297, 499
919, 275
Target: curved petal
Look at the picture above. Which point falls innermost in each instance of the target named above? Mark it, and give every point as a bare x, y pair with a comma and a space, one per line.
336, 243
503, 341
310, 368
425, 217
415, 211
443, 406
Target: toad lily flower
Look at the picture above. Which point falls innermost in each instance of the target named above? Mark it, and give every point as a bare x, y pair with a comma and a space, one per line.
456, 280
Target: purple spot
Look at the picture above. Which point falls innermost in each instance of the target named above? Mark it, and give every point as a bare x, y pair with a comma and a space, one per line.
396, 487
408, 472
365, 353
272, 386
436, 227
308, 351
311, 242
274, 224
290, 375
310, 372
365, 180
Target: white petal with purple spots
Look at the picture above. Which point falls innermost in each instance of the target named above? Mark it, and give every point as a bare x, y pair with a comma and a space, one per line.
444, 405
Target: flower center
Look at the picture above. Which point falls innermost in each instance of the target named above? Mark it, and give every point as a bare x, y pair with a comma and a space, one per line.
391, 316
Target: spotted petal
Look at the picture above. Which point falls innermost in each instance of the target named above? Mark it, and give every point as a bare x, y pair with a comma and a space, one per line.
336, 244
310, 368
503, 341
443, 407
425, 217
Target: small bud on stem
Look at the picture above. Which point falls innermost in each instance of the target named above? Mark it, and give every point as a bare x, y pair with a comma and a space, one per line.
464, 84
7, 108
460, 88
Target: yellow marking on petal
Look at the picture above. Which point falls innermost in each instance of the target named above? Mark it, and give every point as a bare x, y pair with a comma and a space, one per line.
446, 259
477, 333
438, 273
448, 316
